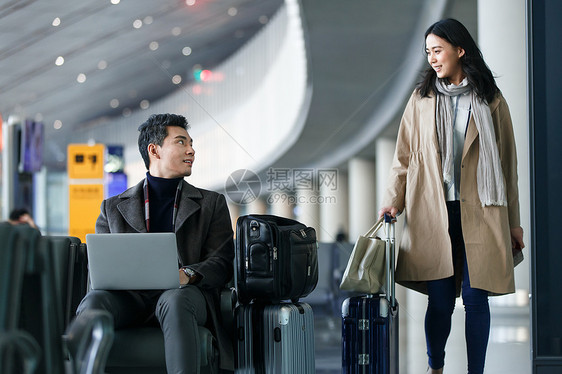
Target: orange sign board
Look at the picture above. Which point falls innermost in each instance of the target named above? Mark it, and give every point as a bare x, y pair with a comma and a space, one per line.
85, 161
84, 208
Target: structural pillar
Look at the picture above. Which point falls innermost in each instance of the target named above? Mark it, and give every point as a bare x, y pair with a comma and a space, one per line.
334, 208
9, 165
282, 208
258, 206
307, 210
384, 155
501, 30
362, 203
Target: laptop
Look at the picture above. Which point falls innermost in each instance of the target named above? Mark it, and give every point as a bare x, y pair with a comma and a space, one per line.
133, 261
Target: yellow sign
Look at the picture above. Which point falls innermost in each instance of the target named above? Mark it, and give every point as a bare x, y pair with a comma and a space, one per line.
85, 161
84, 208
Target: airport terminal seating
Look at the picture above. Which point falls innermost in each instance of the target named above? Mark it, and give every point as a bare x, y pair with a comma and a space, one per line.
34, 278
141, 349
17, 347
48, 281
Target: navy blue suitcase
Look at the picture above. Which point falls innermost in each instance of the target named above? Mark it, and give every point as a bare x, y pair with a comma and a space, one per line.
370, 325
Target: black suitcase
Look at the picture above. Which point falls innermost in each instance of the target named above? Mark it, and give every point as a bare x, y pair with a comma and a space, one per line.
275, 339
370, 325
276, 259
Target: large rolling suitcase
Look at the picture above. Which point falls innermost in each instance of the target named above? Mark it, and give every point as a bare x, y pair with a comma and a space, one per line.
370, 324
275, 339
276, 259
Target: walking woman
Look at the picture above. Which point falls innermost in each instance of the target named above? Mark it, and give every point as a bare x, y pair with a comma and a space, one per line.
454, 174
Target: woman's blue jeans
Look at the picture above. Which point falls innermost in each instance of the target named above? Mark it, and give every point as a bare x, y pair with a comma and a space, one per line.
442, 294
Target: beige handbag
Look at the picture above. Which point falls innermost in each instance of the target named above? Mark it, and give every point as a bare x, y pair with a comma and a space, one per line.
365, 271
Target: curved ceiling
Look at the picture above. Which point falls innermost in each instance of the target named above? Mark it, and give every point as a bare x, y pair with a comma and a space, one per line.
117, 57
366, 56
356, 50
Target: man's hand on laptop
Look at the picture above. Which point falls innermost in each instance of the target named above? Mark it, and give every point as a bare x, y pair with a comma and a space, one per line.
184, 279
188, 276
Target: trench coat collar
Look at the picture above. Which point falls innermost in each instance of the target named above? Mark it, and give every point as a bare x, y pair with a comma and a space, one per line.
132, 205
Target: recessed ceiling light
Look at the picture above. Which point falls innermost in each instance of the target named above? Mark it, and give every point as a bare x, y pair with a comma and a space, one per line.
232, 11
114, 103
186, 51
148, 20
57, 124
144, 104
102, 64
59, 61
56, 22
153, 46
81, 78
176, 79
137, 24
190, 2
115, 2
176, 31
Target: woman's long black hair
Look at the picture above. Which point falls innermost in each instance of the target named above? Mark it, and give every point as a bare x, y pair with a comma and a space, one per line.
477, 72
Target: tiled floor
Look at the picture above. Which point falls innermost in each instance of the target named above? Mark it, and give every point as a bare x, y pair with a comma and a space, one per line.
508, 349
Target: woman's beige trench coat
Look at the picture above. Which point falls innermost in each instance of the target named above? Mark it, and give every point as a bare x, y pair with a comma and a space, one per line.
415, 186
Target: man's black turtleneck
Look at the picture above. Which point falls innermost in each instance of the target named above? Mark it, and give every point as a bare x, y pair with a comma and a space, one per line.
161, 196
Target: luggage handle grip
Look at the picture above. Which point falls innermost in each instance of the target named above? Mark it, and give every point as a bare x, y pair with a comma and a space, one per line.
389, 219
390, 249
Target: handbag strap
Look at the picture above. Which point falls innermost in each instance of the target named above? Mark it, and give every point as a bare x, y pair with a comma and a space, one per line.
376, 227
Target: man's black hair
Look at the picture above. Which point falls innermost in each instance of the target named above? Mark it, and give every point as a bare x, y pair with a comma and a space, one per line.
154, 130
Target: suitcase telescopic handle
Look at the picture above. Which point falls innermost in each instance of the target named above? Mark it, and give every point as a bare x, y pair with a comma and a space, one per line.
389, 222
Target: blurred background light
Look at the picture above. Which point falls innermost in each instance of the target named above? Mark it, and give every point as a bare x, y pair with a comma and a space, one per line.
144, 104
